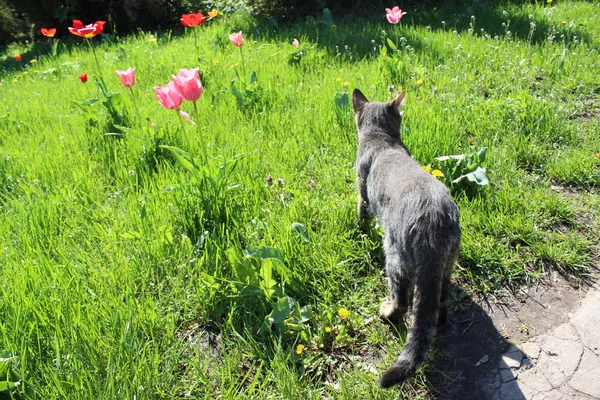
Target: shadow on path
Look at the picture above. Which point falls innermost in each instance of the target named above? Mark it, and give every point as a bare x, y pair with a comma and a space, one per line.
466, 354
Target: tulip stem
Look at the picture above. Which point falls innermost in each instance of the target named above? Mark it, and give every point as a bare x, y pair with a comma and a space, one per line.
90, 43
195, 110
135, 109
202, 143
196, 45
243, 64
180, 118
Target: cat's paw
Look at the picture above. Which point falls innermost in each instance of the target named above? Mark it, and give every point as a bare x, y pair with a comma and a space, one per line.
392, 312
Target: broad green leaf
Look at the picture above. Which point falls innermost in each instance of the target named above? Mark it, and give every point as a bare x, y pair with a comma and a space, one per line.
182, 158
250, 291
392, 45
264, 252
115, 98
478, 176
266, 273
305, 313
5, 386
279, 267
282, 309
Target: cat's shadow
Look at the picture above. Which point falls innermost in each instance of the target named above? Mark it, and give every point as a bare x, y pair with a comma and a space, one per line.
466, 355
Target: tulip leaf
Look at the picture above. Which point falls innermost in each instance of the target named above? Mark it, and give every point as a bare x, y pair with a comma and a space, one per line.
182, 158
84, 105
391, 44
327, 16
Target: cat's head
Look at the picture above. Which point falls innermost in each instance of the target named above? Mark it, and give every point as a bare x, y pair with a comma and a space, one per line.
374, 116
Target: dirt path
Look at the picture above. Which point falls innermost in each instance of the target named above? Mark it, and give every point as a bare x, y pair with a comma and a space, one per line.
537, 343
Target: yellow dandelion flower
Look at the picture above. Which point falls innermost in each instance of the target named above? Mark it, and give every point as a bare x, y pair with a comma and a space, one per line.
213, 13
33, 61
328, 329
346, 83
233, 66
25, 73
343, 313
548, 1
299, 349
437, 173
152, 40
563, 22
15, 80
427, 168
420, 82
338, 79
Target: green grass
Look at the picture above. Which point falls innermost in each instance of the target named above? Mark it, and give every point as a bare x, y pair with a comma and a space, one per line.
124, 274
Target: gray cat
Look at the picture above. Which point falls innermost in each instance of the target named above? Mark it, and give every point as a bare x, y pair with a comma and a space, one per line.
420, 223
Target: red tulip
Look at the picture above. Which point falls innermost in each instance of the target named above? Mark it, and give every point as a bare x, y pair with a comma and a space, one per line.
88, 31
17, 57
193, 19
127, 77
237, 39
188, 83
83, 78
168, 96
48, 32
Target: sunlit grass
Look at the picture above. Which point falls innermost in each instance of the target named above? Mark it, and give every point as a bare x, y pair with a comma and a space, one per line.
116, 278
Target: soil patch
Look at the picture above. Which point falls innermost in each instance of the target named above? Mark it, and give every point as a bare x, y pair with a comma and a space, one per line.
469, 349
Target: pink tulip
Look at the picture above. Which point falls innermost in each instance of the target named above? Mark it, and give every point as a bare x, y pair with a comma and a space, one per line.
187, 82
296, 43
237, 39
127, 77
168, 96
394, 15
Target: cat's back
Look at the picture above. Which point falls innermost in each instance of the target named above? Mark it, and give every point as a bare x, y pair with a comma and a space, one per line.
403, 193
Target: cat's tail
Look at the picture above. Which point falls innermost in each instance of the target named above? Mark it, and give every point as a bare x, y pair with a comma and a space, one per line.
420, 337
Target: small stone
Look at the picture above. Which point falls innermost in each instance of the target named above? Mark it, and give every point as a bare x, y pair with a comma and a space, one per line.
484, 359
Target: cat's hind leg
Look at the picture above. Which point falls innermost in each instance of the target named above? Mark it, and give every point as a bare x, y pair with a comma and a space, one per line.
400, 285
446, 284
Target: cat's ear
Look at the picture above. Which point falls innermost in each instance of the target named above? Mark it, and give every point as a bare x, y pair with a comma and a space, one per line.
358, 100
399, 101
